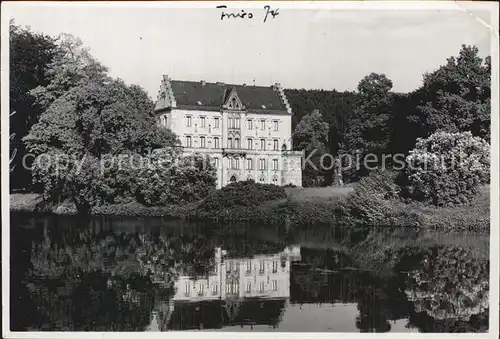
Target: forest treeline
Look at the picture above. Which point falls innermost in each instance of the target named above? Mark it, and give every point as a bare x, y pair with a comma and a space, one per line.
455, 97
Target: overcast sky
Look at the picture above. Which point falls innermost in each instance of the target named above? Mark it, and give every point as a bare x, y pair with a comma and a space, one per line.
320, 49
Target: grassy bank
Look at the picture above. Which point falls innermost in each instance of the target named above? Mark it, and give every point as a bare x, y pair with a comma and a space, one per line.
33, 202
26, 202
333, 207
341, 210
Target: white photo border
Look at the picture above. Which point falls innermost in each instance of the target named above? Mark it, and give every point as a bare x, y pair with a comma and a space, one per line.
8, 8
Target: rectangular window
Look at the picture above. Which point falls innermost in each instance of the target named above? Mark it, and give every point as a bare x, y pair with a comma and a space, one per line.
236, 143
275, 164
275, 266
186, 289
249, 266
263, 144
236, 122
249, 144
249, 124
262, 124
261, 287
214, 289
261, 266
188, 121
262, 164
230, 122
237, 163
202, 142
249, 288
249, 164
216, 142
275, 125
228, 287
188, 141
229, 267
275, 285
216, 122
202, 121
275, 144
201, 289
229, 143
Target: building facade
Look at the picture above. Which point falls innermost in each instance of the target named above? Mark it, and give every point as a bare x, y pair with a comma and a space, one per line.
243, 288
262, 276
246, 130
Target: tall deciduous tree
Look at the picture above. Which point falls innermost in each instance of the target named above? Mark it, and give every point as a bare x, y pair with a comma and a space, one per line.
369, 128
31, 54
457, 96
311, 136
98, 118
89, 120
72, 65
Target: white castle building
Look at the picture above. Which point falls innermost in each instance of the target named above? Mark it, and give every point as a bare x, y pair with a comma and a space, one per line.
245, 129
262, 276
233, 281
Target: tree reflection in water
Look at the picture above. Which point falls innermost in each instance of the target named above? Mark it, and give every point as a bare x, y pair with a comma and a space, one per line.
88, 278
90, 275
449, 287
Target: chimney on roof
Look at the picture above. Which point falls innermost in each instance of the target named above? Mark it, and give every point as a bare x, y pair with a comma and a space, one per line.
203, 83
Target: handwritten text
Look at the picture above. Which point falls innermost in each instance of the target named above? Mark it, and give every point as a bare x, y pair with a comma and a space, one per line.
268, 14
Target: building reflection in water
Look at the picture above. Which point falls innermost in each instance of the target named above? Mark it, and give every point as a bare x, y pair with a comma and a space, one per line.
237, 291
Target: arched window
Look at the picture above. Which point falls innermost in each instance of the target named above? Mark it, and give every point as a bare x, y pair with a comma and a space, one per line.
283, 148
232, 179
262, 179
275, 180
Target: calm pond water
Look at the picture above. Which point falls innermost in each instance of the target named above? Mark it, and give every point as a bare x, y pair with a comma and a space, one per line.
129, 274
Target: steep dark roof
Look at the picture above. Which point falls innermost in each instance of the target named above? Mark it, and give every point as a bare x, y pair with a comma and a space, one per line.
212, 95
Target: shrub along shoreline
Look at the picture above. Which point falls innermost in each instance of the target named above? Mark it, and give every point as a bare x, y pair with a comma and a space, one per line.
354, 211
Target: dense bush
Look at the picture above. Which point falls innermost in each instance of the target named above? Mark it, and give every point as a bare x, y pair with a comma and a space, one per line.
242, 193
168, 181
370, 202
61, 179
447, 168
